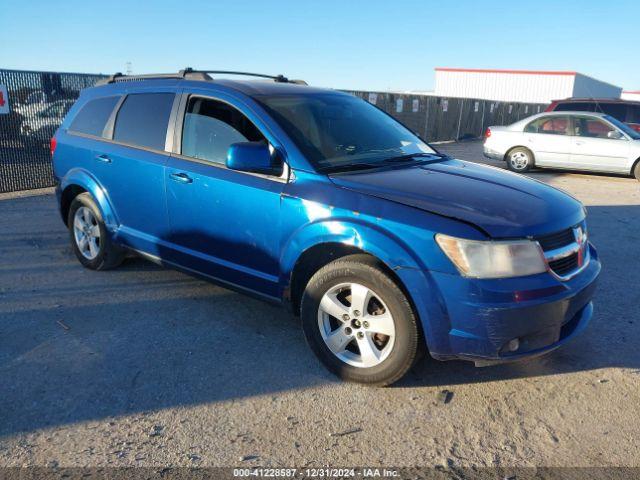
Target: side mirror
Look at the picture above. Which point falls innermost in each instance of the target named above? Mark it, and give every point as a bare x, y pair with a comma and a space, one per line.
615, 134
254, 157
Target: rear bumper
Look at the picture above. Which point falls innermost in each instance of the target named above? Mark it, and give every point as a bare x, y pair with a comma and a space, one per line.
58, 191
482, 319
493, 154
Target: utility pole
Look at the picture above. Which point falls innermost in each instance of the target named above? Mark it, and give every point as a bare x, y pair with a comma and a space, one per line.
128, 68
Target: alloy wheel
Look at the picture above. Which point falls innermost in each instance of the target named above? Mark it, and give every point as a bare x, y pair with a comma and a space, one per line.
86, 232
356, 325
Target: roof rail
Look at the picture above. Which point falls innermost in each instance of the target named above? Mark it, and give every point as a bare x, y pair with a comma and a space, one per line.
191, 74
186, 73
275, 78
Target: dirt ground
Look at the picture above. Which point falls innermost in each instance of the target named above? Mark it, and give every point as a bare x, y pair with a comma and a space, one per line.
142, 366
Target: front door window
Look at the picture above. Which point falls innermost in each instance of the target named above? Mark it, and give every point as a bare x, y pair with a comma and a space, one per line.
591, 127
211, 127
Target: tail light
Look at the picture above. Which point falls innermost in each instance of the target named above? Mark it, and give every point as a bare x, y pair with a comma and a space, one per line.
635, 126
487, 133
53, 145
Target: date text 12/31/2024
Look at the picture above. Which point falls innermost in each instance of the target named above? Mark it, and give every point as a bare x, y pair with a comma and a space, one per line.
324, 472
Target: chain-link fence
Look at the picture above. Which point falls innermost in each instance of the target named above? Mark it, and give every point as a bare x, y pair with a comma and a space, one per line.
438, 119
33, 104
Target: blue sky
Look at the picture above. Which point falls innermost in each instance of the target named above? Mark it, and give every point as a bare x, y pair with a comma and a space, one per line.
374, 45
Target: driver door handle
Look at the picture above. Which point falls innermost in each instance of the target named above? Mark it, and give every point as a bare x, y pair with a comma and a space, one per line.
181, 178
103, 158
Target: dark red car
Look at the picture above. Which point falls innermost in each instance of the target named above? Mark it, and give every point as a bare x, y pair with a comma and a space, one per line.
624, 110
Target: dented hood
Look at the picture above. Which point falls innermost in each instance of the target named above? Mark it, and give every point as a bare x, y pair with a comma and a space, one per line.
501, 203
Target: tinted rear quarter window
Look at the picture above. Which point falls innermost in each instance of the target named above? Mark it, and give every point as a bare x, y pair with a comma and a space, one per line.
575, 106
616, 110
92, 118
143, 118
633, 114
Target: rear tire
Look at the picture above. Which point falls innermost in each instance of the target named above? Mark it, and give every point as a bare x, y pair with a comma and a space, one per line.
90, 239
375, 343
520, 160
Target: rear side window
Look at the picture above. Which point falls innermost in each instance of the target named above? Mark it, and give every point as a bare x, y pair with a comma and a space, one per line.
576, 106
549, 125
211, 127
633, 114
143, 118
616, 110
92, 118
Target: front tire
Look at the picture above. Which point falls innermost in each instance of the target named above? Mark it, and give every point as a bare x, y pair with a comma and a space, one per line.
359, 323
90, 240
520, 160
636, 171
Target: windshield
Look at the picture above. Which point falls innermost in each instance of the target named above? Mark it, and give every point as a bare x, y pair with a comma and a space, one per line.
337, 131
624, 127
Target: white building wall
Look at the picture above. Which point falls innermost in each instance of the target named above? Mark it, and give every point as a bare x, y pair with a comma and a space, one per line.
585, 86
520, 86
631, 96
506, 87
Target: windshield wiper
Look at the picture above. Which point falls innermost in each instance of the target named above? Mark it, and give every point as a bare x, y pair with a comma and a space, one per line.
410, 156
345, 167
348, 167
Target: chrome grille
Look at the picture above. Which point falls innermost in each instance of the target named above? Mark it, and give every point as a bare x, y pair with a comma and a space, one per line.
566, 252
556, 240
565, 265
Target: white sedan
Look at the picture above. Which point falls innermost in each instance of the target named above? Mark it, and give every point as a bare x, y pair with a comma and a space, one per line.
566, 140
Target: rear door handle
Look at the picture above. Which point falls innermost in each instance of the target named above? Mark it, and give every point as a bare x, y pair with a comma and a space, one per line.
103, 159
579, 143
181, 178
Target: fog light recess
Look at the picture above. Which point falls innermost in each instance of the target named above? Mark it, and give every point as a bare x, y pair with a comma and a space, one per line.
513, 345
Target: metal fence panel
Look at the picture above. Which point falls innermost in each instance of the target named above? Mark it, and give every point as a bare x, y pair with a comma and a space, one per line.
440, 119
38, 101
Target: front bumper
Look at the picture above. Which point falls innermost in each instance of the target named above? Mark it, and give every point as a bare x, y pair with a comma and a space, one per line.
483, 318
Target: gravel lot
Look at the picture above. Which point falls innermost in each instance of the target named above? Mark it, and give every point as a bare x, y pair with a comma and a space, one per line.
145, 366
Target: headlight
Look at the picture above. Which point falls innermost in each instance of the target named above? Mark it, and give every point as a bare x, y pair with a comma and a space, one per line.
488, 259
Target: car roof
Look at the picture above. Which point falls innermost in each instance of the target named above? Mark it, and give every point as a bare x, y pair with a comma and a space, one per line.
259, 87
248, 87
564, 113
527, 120
596, 100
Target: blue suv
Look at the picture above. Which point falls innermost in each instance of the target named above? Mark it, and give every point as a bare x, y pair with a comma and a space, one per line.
319, 201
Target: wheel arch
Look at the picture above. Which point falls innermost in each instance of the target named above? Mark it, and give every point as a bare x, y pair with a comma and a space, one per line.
319, 255
511, 149
313, 248
633, 167
66, 197
79, 181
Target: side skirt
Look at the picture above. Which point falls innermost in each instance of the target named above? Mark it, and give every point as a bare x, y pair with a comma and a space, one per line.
222, 283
